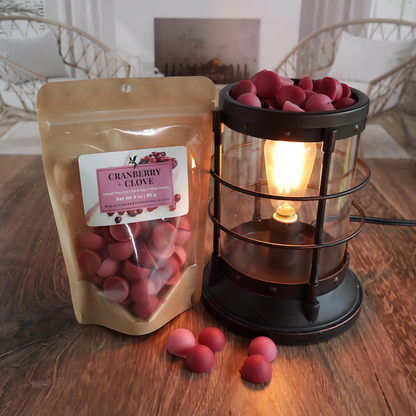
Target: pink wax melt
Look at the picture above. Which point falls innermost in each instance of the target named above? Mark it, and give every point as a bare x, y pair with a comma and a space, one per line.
256, 369
200, 359
92, 241
161, 254
180, 341
179, 255
263, 346
143, 310
96, 280
213, 338
324, 107
89, 261
243, 87
330, 87
249, 99
116, 289
164, 236
344, 102
288, 106
285, 81
145, 257
267, 83
346, 91
168, 269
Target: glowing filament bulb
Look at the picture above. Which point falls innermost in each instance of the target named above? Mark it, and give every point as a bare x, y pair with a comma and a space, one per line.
288, 168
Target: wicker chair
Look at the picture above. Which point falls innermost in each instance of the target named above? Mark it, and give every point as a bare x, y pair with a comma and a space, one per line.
315, 55
84, 56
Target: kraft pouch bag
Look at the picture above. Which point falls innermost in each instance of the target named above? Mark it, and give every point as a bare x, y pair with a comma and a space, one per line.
127, 168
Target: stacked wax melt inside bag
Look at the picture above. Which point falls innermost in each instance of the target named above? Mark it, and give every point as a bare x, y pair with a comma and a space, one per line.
127, 174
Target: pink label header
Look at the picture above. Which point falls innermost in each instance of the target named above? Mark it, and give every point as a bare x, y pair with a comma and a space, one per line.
131, 187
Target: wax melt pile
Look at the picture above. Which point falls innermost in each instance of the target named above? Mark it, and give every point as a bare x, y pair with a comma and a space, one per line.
199, 355
268, 90
133, 262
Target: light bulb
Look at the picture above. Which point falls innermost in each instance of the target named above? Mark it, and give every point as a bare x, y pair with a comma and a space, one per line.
288, 168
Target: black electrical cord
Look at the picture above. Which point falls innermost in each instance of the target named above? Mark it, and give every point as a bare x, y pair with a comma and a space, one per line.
373, 220
383, 221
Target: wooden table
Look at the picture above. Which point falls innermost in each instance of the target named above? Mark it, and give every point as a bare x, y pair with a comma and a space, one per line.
51, 365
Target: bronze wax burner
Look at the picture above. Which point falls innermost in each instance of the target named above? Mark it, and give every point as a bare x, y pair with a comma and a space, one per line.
283, 185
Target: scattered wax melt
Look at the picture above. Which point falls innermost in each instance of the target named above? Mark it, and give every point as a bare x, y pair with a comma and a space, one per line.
243, 87
306, 83
143, 310
116, 289
256, 369
179, 255
135, 272
200, 359
180, 341
316, 100
142, 290
89, 261
164, 236
316, 85
109, 267
288, 106
92, 241
120, 251
124, 232
291, 93
263, 346
267, 83
213, 338
309, 94
344, 102
249, 99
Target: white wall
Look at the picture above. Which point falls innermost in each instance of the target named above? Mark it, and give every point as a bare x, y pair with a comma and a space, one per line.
279, 28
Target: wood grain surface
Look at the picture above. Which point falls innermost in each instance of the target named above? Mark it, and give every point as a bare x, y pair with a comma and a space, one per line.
51, 365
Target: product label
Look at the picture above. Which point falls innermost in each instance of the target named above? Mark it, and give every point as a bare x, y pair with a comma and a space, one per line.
132, 186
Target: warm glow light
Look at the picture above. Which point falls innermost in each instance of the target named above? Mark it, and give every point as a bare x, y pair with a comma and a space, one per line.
288, 169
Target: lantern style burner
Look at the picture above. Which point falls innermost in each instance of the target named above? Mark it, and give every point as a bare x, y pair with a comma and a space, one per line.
283, 185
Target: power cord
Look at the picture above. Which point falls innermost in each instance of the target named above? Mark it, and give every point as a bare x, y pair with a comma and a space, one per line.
383, 221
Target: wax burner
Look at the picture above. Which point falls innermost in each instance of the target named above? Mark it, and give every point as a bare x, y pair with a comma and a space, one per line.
283, 185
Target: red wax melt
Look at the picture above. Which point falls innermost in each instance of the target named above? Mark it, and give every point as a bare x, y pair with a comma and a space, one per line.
243, 87
256, 369
213, 338
267, 83
316, 85
344, 102
306, 83
285, 81
135, 272
346, 91
179, 255
164, 236
291, 93
168, 268
180, 341
91, 241
249, 99
253, 78
182, 237
263, 346
144, 310
200, 359
120, 251
184, 224
145, 257
89, 261
124, 232
116, 289
141, 290
329, 87
109, 267
96, 280
316, 100
324, 107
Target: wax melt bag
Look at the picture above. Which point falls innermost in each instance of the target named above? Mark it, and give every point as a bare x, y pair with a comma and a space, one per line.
126, 163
